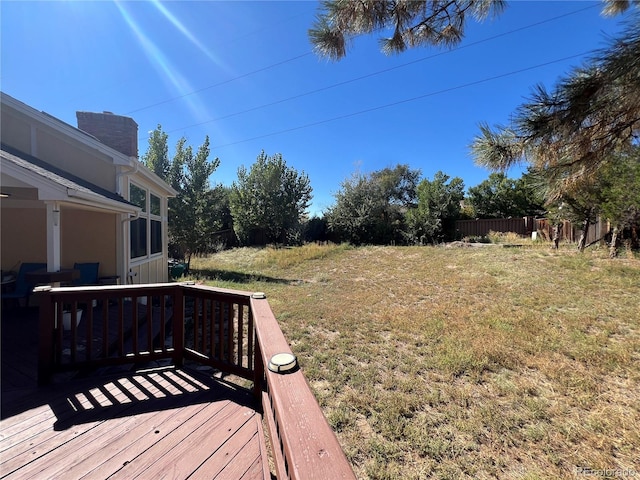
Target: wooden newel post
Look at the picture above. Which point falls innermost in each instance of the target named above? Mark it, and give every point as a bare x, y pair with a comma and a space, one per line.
46, 334
258, 362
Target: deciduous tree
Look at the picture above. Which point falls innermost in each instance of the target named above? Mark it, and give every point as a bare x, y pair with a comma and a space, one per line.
371, 208
193, 213
156, 157
269, 201
357, 214
433, 219
621, 198
503, 197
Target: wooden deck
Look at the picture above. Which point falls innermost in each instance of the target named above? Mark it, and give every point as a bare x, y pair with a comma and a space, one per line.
158, 422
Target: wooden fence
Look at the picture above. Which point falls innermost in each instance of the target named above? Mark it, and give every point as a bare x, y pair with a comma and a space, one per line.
525, 226
482, 227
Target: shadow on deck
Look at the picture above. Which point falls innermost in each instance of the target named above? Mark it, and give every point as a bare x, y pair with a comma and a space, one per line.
179, 422
132, 390
19, 354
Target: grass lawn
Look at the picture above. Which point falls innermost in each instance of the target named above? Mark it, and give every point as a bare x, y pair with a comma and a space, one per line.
484, 362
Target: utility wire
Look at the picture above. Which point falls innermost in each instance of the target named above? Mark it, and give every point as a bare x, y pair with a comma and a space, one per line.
400, 102
269, 67
339, 84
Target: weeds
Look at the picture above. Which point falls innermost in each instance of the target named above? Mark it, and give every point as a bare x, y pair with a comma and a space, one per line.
461, 363
506, 237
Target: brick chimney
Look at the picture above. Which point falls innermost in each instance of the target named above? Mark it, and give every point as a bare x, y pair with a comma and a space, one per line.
115, 131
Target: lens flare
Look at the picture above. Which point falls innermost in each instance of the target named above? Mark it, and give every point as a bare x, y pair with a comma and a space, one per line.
182, 29
162, 63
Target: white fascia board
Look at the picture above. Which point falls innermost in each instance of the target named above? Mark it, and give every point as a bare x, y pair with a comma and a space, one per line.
93, 199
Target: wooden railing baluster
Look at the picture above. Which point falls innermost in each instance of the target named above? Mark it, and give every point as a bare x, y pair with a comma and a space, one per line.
230, 331
120, 321
105, 328
149, 323
220, 330
135, 325
163, 319
212, 329
240, 339
89, 332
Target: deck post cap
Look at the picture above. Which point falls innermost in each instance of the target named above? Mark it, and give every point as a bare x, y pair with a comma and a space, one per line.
42, 288
258, 295
283, 363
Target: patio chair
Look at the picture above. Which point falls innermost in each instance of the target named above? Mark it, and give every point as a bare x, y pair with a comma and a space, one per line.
23, 287
88, 276
88, 273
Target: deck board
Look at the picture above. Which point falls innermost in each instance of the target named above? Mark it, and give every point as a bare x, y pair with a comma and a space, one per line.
95, 430
162, 422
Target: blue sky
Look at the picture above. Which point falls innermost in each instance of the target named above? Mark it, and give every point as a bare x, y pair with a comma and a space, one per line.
244, 74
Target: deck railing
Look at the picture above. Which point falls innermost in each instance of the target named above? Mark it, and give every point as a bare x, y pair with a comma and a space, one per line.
233, 331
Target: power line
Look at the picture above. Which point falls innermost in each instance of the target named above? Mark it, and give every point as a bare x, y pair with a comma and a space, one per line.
220, 83
352, 80
400, 102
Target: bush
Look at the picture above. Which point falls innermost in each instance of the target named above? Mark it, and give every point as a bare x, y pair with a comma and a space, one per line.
504, 237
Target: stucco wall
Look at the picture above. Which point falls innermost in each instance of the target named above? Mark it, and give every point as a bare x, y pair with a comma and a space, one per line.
23, 241
92, 166
63, 152
89, 236
16, 130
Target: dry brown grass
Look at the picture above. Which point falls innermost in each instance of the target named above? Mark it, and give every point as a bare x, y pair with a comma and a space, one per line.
483, 362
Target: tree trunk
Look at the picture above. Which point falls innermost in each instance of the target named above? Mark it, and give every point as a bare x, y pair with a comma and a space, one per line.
585, 230
613, 246
556, 235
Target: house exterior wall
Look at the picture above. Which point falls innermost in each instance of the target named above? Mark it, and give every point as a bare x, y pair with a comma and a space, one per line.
88, 232
16, 129
98, 235
23, 241
93, 166
44, 142
155, 271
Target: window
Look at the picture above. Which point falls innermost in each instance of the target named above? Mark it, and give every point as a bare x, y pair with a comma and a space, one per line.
156, 236
156, 224
138, 196
155, 205
139, 238
145, 231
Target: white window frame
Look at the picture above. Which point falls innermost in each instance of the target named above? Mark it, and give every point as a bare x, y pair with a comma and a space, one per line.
148, 218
